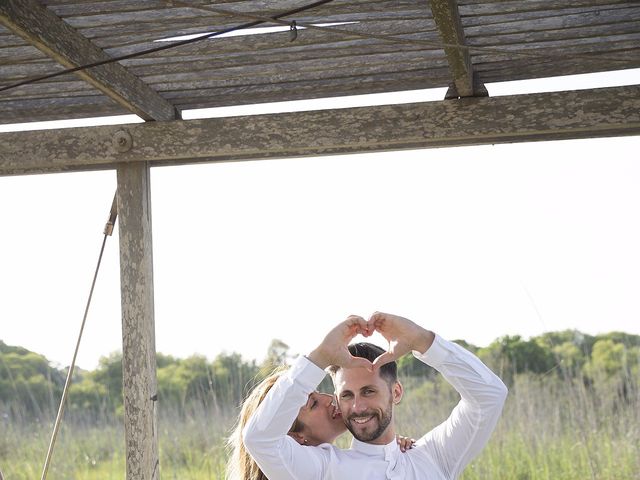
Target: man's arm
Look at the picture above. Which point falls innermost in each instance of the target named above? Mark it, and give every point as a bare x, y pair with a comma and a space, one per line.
462, 436
455, 442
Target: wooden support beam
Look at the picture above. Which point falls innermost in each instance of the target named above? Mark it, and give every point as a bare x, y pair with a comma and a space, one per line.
447, 19
50, 34
606, 112
138, 330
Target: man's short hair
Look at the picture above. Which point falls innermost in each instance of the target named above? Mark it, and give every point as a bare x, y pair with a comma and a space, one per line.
389, 371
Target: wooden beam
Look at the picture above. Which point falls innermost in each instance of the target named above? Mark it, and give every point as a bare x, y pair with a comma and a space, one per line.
138, 330
606, 112
44, 30
447, 18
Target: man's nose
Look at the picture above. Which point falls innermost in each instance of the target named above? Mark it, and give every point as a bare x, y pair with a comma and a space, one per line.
359, 405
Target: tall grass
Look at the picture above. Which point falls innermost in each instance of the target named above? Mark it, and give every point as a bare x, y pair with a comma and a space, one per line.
551, 429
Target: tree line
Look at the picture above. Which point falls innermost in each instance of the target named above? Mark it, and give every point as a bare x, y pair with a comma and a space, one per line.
30, 386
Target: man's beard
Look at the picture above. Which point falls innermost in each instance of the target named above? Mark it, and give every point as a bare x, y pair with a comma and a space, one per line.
383, 423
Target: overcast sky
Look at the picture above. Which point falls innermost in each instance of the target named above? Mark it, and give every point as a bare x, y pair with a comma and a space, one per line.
472, 242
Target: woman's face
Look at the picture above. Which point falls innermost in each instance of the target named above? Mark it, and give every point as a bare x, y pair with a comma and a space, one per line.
321, 419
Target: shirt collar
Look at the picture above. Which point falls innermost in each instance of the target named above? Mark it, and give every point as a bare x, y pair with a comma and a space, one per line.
388, 451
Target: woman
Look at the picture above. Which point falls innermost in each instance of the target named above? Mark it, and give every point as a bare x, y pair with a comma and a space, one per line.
319, 421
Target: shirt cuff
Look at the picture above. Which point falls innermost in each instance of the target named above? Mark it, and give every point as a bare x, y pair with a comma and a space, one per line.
307, 373
435, 354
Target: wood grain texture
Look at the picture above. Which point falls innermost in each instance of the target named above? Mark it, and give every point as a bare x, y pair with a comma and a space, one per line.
468, 121
447, 18
44, 30
138, 328
269, 68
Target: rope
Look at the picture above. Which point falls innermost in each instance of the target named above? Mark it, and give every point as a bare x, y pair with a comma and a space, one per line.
108, 230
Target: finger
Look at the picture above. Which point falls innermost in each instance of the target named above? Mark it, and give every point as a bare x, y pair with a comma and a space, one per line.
383, 359
354, 325
376, 321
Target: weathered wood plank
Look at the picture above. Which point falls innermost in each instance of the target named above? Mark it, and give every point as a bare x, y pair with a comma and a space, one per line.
75, 107
274, 74
262, 44
514, 22
47, 32
138, 327
316, 89
526, 70
469, 121
447, 18
131, 34
482, 7
600, 32
546, 21
600, 51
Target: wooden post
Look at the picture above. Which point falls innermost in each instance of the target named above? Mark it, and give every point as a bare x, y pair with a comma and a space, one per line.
138, 329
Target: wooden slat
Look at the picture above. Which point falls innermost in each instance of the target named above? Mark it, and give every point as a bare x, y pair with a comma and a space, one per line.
483, 7
361, 85
533, 16
548, 21
601, 32
75, 107
54, 37
261, 45
470, 121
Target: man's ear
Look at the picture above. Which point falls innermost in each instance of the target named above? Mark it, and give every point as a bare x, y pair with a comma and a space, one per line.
398, 391
297, 436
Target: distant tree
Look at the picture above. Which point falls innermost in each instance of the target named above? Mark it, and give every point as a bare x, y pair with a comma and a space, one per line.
28, 382
277, 354
608, 358
410, 367
109, 376
511, 355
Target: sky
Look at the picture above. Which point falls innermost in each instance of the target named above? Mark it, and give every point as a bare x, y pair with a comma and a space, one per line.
471, 242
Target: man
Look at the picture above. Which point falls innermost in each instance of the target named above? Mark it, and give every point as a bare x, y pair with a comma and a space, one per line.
366, 391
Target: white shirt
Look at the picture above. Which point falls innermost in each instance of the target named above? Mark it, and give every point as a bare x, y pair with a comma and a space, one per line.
441, 454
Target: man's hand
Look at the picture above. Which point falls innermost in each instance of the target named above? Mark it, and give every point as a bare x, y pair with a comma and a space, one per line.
402, 334
333, 349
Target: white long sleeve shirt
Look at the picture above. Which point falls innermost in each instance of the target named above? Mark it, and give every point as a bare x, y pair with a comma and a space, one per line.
441, 454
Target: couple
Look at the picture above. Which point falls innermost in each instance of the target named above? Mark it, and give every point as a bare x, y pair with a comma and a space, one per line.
287, 428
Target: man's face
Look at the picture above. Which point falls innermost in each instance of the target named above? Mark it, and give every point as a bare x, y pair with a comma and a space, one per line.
366, 401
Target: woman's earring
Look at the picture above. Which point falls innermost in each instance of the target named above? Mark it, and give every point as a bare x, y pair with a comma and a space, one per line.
305, 441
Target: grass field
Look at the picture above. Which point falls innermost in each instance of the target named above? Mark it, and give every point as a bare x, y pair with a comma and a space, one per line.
550, 430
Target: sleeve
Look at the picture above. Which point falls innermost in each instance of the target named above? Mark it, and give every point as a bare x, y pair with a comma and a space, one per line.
455, 442
265, 436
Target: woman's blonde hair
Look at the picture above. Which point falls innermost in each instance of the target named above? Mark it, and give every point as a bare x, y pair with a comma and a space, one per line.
240, 465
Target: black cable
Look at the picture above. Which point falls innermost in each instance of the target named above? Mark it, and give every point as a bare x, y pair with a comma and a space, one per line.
166, 47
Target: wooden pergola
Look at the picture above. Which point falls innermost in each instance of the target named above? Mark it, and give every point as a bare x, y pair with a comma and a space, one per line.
344, 47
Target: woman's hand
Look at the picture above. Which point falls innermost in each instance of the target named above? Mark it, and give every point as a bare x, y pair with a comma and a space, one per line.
405, 443
334, 348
